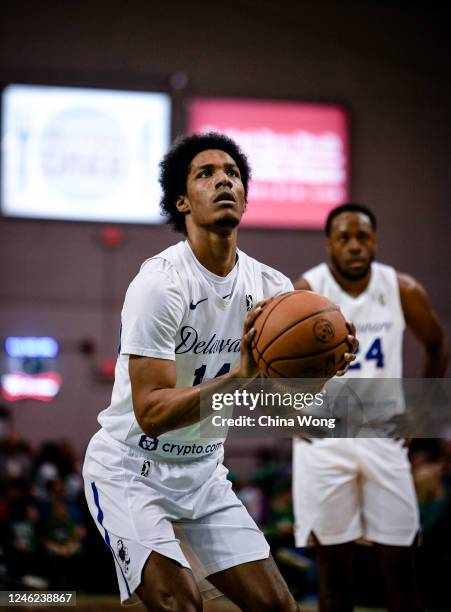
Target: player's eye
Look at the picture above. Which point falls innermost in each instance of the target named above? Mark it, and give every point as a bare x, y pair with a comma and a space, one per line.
203, 173
233, 172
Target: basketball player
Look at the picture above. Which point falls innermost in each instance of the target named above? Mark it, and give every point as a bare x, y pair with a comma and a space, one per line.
345, 489
156, 490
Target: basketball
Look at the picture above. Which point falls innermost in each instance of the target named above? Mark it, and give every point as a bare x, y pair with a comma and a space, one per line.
300, 334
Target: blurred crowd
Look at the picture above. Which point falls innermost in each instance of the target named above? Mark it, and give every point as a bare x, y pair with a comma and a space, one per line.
42, 517
48, 540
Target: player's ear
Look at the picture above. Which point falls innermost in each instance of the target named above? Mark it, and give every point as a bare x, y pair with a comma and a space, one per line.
182, 204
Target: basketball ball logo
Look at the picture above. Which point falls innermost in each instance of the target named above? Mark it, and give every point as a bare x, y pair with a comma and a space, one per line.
300, 334
323, 330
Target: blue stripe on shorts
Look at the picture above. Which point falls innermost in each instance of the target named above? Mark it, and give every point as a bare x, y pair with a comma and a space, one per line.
106, 537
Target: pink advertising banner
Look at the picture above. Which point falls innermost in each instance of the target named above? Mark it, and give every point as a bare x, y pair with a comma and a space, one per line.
299, 154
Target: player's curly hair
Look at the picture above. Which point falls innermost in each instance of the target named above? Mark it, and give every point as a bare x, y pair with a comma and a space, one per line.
174, 168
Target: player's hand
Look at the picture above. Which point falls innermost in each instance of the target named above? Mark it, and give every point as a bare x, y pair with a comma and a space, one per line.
353, 344
247, 367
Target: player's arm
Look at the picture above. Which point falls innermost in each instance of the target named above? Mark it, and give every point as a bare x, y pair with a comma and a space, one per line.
301, 283
161, 407
425, 325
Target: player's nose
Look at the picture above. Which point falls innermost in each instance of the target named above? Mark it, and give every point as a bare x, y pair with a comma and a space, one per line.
354, 245
223, 180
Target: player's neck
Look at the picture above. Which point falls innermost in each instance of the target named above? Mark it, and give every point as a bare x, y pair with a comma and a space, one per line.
216, 252
352, 286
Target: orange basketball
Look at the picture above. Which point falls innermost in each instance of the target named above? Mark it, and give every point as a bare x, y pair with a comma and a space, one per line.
300, 334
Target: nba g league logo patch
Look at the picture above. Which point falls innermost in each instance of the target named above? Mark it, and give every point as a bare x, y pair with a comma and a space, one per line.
145, 468
122, 552
323, 330
249, 302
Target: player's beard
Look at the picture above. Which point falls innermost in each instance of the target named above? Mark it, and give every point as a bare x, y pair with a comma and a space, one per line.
352, 276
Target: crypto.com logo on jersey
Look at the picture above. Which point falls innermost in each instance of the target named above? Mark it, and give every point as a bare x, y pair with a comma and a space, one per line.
299, 154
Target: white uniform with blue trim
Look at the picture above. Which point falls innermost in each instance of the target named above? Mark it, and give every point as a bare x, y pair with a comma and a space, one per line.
142, 491
347, 488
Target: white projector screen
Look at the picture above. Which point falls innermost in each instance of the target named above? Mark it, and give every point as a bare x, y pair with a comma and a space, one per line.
83, 154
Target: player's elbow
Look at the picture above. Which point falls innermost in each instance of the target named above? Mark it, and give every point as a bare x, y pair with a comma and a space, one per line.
150, 419
151, 427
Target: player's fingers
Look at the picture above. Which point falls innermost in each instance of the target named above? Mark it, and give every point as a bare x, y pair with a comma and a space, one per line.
351, 327
348, 358
262, 303
247, 338
252, 315
353, 343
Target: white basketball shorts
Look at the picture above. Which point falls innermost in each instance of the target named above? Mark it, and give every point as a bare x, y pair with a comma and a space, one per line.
348, 488
185, 511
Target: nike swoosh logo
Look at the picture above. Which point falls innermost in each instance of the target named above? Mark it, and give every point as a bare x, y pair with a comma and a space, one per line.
194, 306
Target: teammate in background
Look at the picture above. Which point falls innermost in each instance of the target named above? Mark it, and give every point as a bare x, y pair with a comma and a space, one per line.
154, 488
345, 489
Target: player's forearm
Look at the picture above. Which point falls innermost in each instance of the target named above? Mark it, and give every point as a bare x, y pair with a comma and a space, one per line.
164, 410
436, 360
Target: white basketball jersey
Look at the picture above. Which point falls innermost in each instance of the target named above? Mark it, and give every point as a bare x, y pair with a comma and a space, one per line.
378, 317
172, 311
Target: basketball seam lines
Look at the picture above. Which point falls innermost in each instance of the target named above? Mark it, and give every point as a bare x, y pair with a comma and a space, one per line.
327, 309
330, 348
274, 306
268, 366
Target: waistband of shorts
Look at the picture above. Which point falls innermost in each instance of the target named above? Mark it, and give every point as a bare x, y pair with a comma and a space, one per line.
136, 451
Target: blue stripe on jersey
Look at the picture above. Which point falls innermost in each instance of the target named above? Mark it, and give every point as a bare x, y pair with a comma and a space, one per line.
106, 537
119, 346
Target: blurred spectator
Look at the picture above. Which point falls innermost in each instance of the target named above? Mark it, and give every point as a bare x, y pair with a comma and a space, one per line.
19, 531
46, 534
61, 534
279, 525
252, 497
430, 462
70, 472
297, 566
15, 459
46, 468
431, 494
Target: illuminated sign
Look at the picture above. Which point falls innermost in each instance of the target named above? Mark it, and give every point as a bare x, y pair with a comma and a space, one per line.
31, 369
43, 387
299, 154
83, 153
31, 346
